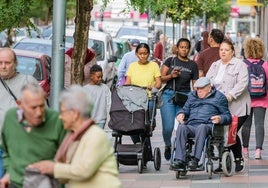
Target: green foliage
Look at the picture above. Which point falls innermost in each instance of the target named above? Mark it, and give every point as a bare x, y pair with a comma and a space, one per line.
14, 13
216, 10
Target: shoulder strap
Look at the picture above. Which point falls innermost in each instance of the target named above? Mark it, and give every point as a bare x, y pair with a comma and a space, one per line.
249, 63
8, 89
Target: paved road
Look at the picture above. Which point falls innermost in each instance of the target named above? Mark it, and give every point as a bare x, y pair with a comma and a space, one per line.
255, 174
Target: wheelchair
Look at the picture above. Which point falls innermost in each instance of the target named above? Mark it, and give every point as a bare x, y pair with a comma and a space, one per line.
214, 141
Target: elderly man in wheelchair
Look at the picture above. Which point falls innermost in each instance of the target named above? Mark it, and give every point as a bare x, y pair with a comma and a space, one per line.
205, 107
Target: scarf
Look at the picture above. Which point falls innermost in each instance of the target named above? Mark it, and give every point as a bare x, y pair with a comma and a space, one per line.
71, 138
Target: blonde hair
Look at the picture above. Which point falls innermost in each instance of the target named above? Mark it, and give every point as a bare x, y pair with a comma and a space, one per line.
254, 48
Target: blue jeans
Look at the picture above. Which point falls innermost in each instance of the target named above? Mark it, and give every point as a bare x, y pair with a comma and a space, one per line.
2, 171
168, 113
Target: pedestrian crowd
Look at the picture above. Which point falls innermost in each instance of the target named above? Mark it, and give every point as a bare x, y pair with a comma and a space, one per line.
210, 87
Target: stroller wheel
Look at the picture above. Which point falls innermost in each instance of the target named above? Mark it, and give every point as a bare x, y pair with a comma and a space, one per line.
157, 158
227, 163
140, 166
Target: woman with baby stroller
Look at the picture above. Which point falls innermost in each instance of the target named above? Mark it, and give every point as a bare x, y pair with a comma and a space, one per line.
142, 78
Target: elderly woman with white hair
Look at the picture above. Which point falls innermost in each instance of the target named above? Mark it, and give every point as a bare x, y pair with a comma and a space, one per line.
85, 158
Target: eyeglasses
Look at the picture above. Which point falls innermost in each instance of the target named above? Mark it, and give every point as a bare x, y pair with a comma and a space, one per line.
63, 111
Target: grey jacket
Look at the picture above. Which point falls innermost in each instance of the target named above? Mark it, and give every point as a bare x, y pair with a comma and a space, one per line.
234, 83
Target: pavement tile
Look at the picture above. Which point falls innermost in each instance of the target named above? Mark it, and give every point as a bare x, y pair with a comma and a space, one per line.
254, 175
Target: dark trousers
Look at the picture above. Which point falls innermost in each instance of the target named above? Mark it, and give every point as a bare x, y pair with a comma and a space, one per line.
237, 148
259, 117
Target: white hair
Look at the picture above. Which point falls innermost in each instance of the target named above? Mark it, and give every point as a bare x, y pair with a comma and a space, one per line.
77, 98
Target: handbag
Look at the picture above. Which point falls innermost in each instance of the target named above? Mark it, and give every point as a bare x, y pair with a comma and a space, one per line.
179, 98
33, 178
159, 100
232, 131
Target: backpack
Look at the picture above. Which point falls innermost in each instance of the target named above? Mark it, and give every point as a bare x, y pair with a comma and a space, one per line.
257, 79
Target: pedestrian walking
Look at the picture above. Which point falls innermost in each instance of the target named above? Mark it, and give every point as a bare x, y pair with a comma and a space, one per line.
144, 73
10, 86
254, 53
101, 95
178, 72
85, 159
211, 54
230, 76
126, 60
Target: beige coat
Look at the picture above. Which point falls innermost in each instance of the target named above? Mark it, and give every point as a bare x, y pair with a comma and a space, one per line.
93, 164
234, 83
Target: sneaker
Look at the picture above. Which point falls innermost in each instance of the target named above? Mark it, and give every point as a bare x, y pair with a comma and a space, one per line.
258, 153
167, 153
239, 164
245, 152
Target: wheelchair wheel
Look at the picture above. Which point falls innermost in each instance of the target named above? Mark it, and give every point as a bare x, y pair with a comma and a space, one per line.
157, 159
140, 166
227, 163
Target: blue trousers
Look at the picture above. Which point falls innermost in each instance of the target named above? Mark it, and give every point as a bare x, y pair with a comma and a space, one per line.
168, 112
198, 132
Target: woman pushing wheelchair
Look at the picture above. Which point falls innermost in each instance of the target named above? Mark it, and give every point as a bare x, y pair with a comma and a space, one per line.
205, 107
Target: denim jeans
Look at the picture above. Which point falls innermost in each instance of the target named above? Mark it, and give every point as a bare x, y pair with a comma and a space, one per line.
2, 171
168, 113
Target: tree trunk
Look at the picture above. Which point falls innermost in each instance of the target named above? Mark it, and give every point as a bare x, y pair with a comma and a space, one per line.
82, 22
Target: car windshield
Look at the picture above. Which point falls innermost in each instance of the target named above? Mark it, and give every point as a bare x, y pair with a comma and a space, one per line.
118, 48
37, 47
30, 66
142, 32
98, 47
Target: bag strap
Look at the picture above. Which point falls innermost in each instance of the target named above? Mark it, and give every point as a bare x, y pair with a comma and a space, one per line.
8, 89
174, 80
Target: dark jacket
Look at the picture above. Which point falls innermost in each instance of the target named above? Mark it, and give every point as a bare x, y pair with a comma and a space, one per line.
199, 111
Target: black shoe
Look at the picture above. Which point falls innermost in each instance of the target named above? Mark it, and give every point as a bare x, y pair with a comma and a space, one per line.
193, 164
167, 153
218, 170
239, 164
178, 165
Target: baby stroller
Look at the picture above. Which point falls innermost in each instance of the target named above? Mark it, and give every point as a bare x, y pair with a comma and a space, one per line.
129, 115
214, 140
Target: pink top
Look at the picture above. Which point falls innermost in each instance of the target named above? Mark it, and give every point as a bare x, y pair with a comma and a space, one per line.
261, 102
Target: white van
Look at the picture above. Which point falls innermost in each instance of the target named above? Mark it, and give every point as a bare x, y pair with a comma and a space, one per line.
102, 44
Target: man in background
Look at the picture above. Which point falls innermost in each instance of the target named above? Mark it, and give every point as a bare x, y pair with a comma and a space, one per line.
11, 84
211, 54
128, 58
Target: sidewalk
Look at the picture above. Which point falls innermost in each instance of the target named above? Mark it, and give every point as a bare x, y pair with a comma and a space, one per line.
255, 174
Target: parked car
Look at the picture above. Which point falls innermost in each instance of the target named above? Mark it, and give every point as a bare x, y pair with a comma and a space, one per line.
133, 32
21, 33
38, 45
36, 64
121, 46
